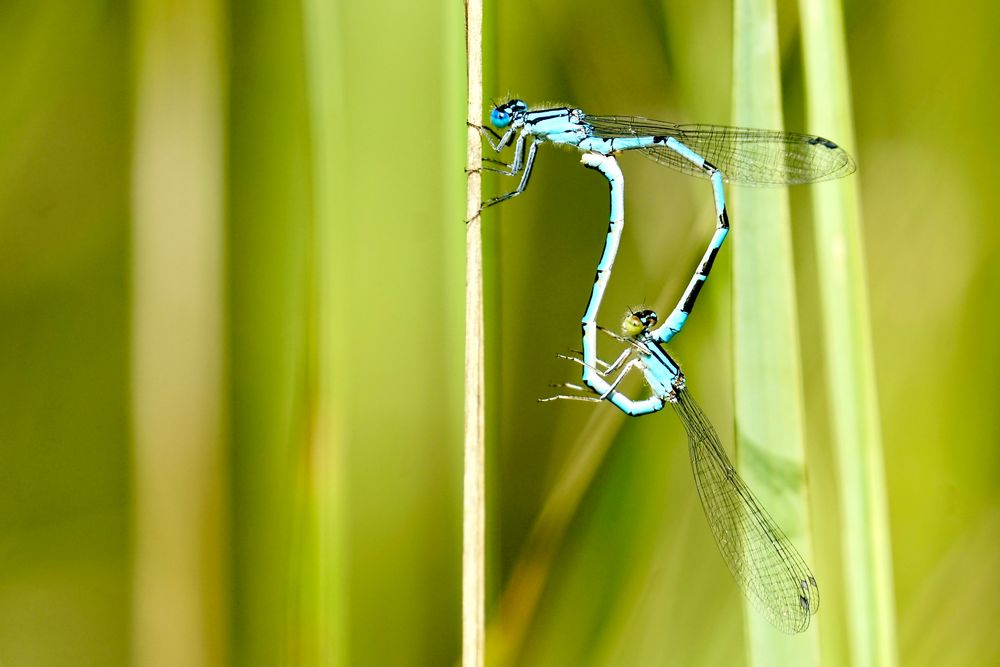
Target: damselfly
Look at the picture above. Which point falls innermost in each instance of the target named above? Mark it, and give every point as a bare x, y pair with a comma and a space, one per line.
762, 560
746, 156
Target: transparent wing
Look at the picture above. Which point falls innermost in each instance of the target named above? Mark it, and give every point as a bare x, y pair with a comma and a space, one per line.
746, 156
764, 563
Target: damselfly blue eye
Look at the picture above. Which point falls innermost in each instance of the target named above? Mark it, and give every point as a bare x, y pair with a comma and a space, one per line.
500, 119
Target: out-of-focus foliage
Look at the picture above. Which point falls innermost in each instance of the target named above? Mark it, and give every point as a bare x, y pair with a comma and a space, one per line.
621, 569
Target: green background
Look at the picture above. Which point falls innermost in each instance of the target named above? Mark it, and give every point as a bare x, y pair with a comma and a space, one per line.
336, 134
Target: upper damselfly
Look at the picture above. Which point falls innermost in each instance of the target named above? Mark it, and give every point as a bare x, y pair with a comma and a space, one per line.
743, 155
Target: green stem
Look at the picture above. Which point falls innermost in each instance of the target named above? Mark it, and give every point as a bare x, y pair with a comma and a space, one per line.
768, 375
848, 351
321, 599
271, 275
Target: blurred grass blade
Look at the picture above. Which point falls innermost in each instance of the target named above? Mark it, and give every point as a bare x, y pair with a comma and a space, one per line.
177, 331
322, 596
768, 375
389, 211
848, 350
271, 270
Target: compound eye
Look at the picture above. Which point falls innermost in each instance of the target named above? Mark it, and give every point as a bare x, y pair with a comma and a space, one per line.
500, 119
647, 317
633, 325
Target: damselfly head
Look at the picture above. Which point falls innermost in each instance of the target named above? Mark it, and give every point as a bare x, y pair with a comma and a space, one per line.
503, 114
637, 322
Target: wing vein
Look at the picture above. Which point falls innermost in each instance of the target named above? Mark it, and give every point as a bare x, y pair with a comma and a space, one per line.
771, 572
743, 155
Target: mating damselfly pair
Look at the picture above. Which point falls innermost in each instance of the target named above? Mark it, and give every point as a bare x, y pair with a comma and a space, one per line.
761, 558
